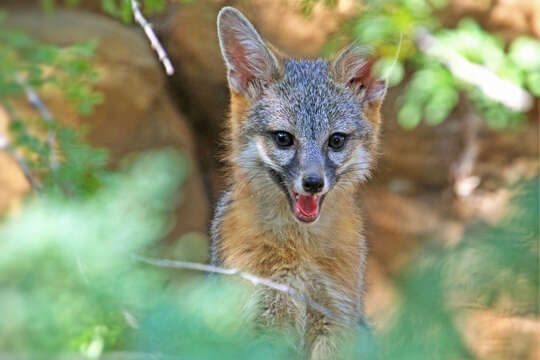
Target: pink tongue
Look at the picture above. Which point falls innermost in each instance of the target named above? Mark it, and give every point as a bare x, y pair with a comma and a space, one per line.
308, 205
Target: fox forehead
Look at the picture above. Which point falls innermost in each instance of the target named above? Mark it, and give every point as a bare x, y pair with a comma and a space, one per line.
307, 102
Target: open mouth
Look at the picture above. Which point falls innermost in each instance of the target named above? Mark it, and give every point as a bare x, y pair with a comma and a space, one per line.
306, 207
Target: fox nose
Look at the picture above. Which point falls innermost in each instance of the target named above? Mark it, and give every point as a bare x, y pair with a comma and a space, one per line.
312, 183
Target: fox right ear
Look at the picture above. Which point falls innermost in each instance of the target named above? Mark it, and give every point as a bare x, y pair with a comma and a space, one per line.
250, 63
353, 67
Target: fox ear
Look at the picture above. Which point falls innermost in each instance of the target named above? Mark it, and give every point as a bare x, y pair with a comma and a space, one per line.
352, 67
250, 63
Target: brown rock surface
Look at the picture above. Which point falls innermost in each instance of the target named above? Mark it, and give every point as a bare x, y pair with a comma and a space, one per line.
13, 184
508, 18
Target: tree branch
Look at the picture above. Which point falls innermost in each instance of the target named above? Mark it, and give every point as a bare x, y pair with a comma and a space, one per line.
254, 280
35, 101
461, 170
493, 87
151, 35
5, 146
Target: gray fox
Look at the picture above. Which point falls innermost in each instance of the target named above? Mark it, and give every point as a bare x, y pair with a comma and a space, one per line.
302, 135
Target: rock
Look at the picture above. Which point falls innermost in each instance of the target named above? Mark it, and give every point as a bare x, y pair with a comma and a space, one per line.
137, 113
13, 184
507, 18
495, 336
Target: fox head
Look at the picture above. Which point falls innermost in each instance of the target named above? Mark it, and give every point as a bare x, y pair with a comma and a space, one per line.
307, 128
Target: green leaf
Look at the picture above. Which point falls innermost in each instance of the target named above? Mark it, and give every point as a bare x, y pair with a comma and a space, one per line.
110, 7
440, 105
86, 49
409, 116
126, 13
525, 52
16, 39
48, 5
72, 3
509, 71
533, 82
388, 69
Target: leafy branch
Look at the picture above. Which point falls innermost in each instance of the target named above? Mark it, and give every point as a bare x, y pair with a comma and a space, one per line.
56, 158
492, 86
500, 81
35, 101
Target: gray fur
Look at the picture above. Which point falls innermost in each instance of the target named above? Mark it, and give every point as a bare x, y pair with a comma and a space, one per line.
221, 208
310, 105
310, 99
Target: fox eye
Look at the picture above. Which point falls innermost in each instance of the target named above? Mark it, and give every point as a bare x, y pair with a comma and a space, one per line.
337, 141
283, 138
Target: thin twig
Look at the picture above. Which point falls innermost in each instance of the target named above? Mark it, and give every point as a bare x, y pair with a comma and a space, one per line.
394, 62
493, 87
35, 101
6, 146
461, 171
254, 279
151, 35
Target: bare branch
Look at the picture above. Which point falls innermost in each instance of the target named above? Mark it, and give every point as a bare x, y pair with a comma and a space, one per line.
493, 87
5, 146
464, 183
151, 35
254, 280
394, 62
35, 101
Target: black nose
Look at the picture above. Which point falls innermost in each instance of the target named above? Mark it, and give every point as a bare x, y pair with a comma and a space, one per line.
312, 183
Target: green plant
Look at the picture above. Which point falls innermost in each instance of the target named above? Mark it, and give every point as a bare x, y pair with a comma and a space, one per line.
391, 28
121, 9
29, 66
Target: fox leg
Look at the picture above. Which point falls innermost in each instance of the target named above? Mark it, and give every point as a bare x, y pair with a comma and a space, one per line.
338, 342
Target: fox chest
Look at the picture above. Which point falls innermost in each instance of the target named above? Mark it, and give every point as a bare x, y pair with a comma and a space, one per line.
321, 268
317, 294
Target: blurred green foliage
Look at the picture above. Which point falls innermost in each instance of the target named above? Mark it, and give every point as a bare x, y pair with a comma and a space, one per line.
69, 279
76, 270
490, 266
68, 70
68, 276
390, 28
121, 9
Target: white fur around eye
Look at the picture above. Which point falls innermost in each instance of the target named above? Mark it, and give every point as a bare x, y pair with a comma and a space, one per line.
262, 153
357, 164
278, 157
339, 157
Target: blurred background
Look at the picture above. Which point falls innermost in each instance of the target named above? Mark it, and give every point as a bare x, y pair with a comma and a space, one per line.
102, 156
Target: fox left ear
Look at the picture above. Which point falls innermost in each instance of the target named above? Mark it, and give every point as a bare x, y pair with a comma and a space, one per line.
353, 67
250, 63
